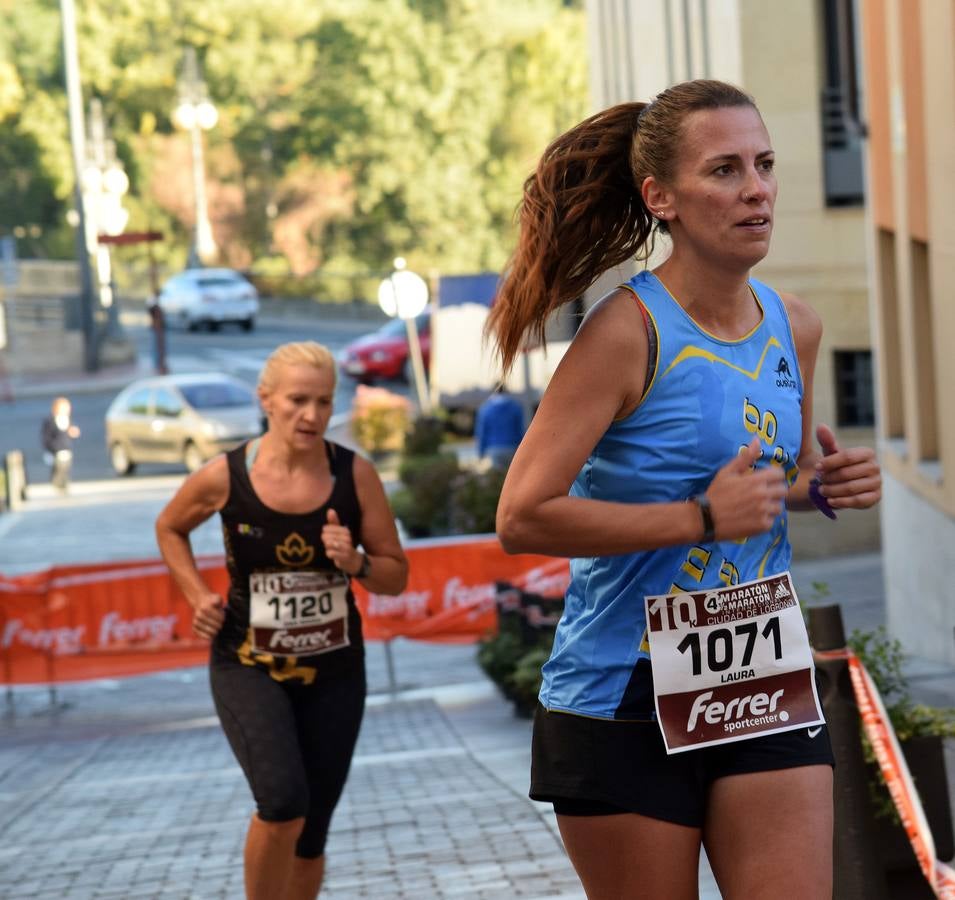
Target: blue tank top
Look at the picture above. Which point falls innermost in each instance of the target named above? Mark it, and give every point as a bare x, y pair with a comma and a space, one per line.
706, 400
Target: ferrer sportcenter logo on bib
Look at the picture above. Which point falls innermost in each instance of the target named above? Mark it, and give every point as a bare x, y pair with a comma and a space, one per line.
294, 551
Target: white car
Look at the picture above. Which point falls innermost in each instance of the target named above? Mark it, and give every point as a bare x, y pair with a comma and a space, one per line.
209, 297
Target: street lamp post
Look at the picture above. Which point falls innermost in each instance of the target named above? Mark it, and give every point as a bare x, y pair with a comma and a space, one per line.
104, 183
195, 113
405, 294
74, 94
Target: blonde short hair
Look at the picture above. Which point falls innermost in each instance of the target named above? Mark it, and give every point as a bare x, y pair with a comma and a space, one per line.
295, 353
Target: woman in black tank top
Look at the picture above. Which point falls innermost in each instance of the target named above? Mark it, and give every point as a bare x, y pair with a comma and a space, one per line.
301, 517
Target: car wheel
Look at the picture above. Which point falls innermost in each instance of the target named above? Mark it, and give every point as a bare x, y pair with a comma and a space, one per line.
120, 461
192, 324
213, 326
192, 457
248, 324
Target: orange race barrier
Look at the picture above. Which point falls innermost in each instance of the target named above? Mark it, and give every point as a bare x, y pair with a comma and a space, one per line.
895, 771
70, 623
451, 590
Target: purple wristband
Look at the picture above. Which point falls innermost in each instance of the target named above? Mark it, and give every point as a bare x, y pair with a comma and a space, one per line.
820, 502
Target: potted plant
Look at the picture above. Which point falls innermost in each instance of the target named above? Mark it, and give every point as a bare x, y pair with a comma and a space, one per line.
921, 731
379, 420
512, 658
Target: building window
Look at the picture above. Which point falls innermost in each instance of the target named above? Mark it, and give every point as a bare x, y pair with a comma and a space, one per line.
842, 128
926, 406
892, 374
855, 407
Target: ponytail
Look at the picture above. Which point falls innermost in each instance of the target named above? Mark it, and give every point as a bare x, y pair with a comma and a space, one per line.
581, 214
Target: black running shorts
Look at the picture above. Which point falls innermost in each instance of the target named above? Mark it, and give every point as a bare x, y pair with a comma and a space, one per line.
590, 766
293, 741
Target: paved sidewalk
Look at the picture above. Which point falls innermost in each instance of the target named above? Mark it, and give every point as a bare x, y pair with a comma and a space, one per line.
126, 788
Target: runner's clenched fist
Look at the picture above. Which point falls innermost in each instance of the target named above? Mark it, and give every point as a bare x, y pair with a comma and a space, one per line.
746, 501
208, 616
338, 545
850, 478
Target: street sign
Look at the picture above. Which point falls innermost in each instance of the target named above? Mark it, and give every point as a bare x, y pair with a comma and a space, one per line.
130, 237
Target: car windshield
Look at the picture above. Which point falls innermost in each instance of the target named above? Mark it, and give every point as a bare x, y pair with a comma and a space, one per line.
216, 395
396, 327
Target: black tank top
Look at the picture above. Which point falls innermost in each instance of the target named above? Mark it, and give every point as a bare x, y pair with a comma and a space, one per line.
290, 610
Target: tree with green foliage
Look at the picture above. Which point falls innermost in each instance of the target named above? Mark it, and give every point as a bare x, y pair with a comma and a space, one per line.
350, 131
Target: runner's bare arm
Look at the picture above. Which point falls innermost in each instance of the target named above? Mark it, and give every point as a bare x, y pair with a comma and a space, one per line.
379, 536
850, 477
600, 379
807, 333
200, 496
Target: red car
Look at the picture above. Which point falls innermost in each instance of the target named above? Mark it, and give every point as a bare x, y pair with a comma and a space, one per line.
384, 353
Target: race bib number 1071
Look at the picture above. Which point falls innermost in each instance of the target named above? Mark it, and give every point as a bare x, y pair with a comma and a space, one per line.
730, 663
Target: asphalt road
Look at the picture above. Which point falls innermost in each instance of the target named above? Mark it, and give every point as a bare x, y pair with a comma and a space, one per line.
229, 350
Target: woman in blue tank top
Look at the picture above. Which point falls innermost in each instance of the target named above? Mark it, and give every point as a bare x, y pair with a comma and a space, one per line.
672, 440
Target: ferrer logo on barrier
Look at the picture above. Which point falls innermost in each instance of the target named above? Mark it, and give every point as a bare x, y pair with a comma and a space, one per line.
408, 605
59, 641
457, 594
547, 581
114, 629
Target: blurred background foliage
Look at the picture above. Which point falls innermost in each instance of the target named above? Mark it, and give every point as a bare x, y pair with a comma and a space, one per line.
367, 128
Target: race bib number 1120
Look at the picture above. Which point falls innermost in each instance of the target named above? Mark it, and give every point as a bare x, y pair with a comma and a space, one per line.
298, 613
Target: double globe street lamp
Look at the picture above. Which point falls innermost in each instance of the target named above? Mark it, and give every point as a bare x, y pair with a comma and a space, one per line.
196, 113
405, 294
103, 183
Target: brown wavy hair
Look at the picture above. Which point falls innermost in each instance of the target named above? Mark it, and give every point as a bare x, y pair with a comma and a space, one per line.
582, 211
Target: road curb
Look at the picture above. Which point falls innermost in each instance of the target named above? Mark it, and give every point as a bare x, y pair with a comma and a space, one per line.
72, 383
113, 378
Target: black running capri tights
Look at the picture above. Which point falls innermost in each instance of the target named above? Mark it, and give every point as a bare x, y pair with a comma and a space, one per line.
293, 741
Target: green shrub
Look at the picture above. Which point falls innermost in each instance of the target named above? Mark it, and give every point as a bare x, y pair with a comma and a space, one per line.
272, 278
424, 437
474, 501
379, 419
513, 657
525, 679
427, 472
883, 658
498, 656
422, 505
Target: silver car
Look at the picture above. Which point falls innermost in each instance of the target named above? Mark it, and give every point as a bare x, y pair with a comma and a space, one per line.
179, 418
209, 297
